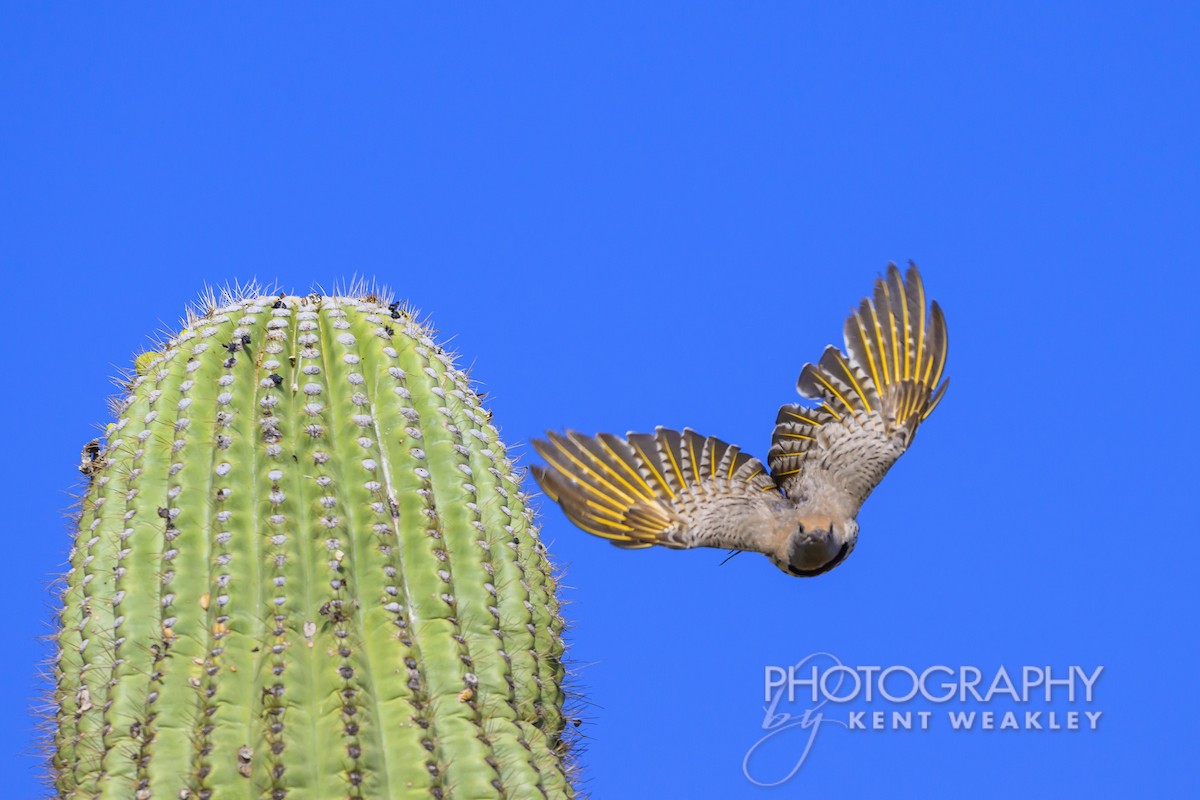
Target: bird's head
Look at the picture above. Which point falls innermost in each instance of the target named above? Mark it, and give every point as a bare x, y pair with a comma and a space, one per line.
816, 545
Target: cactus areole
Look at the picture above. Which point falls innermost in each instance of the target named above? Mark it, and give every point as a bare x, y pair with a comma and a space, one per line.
304, 569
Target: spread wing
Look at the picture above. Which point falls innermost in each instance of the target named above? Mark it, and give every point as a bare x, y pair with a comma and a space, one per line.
873, 397
668, 488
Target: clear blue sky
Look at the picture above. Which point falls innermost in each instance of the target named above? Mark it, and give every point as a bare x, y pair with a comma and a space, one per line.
636, 214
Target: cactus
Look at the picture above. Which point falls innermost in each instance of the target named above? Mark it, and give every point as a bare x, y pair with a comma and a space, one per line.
304, 569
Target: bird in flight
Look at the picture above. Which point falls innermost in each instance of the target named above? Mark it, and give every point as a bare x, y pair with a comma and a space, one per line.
682, 490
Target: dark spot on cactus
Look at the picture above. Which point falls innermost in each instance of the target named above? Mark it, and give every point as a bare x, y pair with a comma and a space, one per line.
90, 460
388, 330
279, 303
233, 346
245, 339
276, 379
229, 362
164, 513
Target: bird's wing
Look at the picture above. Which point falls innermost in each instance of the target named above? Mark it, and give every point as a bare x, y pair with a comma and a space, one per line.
668, 488
873, 397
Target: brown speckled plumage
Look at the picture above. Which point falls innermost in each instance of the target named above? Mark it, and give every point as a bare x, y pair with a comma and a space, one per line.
683, 490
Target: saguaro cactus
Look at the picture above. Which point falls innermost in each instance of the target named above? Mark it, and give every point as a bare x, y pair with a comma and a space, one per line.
304, 569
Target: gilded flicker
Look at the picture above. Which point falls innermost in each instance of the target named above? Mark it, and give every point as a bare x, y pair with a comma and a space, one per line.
683, 490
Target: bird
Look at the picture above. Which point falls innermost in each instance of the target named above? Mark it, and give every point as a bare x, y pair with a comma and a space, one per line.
679, 489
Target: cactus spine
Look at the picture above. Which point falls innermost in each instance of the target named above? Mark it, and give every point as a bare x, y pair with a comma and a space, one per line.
304, 569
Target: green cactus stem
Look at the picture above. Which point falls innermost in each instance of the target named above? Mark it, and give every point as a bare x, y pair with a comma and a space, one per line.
304, 568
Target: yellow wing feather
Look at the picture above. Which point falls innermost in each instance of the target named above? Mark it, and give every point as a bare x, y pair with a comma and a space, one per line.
649, 488
875, 394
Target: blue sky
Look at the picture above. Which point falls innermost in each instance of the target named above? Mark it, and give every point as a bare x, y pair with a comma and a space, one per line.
626, 215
